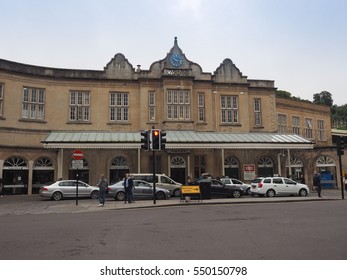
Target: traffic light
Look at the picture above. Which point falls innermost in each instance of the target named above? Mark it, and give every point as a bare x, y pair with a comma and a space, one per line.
145, 140
162, 140
340, 147
155, 140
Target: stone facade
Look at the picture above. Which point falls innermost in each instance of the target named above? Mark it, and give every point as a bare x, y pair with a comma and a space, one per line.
173, 95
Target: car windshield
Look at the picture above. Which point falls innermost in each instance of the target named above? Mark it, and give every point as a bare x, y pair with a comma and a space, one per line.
256, 180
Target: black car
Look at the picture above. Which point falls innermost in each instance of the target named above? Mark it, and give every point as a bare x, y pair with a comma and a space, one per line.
218, 189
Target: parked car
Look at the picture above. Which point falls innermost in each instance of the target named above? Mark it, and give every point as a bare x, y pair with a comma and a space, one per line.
218, 189
67, 188
232, 181
161, 180
142, 189
272, 186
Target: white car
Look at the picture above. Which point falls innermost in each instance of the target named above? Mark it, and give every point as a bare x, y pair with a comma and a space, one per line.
232, 181
272, 186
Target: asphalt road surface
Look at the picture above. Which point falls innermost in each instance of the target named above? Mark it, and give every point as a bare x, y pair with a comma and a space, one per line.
301, 230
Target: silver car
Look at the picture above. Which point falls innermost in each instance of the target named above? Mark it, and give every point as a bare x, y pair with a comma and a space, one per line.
142, 189
67, 188
232, 181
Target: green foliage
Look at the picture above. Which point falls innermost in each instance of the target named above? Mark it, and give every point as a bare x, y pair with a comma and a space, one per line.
324, 97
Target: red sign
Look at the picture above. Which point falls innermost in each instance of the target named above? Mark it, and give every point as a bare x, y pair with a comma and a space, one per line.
77, 154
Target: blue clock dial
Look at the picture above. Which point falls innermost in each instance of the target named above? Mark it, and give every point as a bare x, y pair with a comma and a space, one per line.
176, 60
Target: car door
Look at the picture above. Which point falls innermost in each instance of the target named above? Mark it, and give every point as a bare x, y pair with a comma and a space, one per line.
217, 188
83, 189
68, 188
142, 189
279, 186
291, 187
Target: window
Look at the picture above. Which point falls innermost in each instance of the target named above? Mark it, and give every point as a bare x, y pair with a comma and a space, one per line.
296, 125
321, 130
229, 109
33, 104
79, 106
178, 104
308, 128
119, 106
277, 181
201, 107
282, 123
151, 106
257, 112
1, 99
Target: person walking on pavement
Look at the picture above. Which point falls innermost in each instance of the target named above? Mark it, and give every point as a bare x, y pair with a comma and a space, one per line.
317, 184
103, 185
128, 186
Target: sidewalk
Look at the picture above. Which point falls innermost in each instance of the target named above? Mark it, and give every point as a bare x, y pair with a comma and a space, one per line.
34, 204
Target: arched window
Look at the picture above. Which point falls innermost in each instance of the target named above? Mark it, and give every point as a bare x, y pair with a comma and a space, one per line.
178, 162
231, 167
265, 167
16, 163
119, 162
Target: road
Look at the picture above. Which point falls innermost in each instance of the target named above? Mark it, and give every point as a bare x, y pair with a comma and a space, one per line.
301, 230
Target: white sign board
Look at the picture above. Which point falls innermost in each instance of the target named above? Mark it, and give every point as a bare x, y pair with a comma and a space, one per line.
77, 164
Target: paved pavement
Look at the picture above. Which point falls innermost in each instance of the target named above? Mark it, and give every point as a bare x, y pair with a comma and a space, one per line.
34, 204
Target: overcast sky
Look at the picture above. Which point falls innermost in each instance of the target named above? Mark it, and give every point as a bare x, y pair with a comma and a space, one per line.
300, 44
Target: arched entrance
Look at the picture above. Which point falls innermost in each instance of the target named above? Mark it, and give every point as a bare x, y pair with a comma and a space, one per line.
265, 167
326, 166
178, 169
231, 167
43, 173
83, 173
297, 167
15, 175
119, 168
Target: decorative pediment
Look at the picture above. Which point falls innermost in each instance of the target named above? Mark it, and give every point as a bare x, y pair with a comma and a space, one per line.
119, 68
227, 72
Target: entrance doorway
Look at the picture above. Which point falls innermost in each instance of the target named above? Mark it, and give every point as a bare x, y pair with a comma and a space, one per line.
178, 170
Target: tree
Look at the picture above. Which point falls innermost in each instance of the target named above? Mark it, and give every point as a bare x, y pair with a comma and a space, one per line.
283, 93
323, 98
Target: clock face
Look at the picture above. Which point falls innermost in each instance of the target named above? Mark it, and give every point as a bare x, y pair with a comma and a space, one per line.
176, 60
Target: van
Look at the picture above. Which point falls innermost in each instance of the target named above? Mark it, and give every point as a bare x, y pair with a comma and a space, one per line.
162, 181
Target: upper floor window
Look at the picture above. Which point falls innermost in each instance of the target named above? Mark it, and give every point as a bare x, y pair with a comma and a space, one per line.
201, 106
1, 99
308, 128
229, 109
321, 130
119, 106
296, 125
257, 112
33, 103
178, 104
79, 106
151, 106
282, 123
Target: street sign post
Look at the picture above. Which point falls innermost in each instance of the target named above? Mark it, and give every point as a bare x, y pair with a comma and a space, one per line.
78, 163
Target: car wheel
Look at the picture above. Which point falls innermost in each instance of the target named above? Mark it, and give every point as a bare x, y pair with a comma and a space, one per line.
94, 194
303, 192
160, 195
120, 196
57, 196
270, 193
176, 193
236, 194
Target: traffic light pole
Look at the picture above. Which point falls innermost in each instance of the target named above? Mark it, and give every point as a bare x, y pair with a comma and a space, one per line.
154, 188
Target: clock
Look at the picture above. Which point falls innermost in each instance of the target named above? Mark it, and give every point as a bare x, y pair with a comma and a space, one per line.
176, 60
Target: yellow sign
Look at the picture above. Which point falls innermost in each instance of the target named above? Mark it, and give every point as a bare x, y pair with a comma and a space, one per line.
190, 190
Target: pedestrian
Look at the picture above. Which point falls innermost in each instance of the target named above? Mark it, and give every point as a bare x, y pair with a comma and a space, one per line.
302, 179
103, 185
317, 184
128, 187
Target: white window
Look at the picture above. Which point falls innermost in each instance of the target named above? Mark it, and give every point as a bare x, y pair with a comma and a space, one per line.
308, 128
151, 106
321, 130
178, 104
296, 125
229, 109
79, 106
257, 112
201, 107
33, 104
1, 99
119, 106
282, 123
